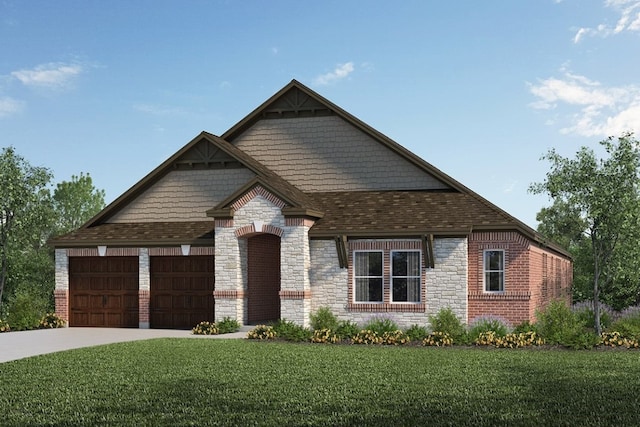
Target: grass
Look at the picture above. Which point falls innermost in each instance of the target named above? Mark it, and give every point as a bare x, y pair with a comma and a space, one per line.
238, 382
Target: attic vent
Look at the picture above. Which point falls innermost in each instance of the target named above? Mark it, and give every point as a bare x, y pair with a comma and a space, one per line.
295, 103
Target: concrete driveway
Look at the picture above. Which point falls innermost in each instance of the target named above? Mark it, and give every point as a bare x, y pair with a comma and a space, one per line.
18, 345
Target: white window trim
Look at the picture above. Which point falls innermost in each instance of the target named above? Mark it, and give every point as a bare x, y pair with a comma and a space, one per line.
419, 276
485, 271
355, 277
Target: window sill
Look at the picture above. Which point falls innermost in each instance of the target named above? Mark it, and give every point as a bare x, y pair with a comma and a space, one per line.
503, 296
387, 307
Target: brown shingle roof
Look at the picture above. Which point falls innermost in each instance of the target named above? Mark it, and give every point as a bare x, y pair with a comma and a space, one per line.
403, 212
144, 233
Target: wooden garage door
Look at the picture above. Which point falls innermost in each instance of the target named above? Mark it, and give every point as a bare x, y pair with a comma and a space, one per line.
263, 252
103, 292
181, 291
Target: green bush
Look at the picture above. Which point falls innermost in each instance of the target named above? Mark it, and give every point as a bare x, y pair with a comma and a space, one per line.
291, 331
51, 321
262, 332
446, 321
628, 325
347, 329
205, 328
228, 325
323, 318
380, 325
525, 327
25, 309
584, 314
485, 324
557, 323
417, 332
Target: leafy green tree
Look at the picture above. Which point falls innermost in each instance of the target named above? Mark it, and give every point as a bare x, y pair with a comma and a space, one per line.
23, 205
598, 200
75, 202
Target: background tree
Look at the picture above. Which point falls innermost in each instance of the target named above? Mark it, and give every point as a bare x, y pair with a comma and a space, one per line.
75, 202
597, 200
23, 206
30, 214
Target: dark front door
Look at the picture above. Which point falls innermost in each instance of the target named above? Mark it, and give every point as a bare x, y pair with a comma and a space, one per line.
181, 291
263, 254
103, 292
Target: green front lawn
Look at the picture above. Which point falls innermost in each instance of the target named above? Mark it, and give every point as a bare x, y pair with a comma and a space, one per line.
238, 382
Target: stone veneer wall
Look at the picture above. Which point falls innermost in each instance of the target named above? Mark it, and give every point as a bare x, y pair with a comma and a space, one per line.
446, 284
258, 214
61, 291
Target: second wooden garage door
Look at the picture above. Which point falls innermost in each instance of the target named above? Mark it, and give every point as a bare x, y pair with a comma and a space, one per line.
181, 291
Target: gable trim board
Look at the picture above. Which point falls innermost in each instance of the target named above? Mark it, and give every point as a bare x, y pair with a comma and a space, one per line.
319, 229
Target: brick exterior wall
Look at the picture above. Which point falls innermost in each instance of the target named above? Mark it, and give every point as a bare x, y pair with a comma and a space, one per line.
444, 286
528, 284
61, 291
184, 195
328, 154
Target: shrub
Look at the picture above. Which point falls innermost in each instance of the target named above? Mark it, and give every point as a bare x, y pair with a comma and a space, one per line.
485, 324
205, 328
324, 336
584, 314
26, 308
438, 339
416, 333
51, 321
628, 324
262, 332
557, 324
396, 337
446, 321
512, 340
291, 331
367, 336
323, 318
380, 325
228, 325
524, 327
347, 329
4, 326
615, 339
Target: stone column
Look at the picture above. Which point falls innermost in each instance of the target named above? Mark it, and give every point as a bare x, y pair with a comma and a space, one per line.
144, 288
295, 288
61, 291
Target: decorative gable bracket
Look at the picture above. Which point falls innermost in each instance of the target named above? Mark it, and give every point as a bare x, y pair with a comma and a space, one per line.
341, 247
427, 250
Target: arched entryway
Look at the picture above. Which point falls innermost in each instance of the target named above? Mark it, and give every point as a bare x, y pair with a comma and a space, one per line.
263, 303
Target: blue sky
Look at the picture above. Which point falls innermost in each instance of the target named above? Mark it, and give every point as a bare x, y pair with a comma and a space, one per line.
481, 90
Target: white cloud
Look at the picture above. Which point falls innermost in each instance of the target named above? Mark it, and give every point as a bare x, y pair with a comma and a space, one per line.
597, 110
9, 106
628, 20
53, 75
340, 72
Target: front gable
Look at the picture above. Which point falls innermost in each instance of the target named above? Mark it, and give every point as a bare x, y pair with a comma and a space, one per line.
319, 147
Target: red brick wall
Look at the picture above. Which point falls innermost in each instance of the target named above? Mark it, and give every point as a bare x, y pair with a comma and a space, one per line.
61, 298
143, 306
533, 277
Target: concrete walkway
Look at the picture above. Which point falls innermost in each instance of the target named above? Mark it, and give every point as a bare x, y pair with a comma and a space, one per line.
18, 345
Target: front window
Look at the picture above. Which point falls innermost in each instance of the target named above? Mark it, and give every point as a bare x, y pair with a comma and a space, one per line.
368, 276
405, 276
494, 271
